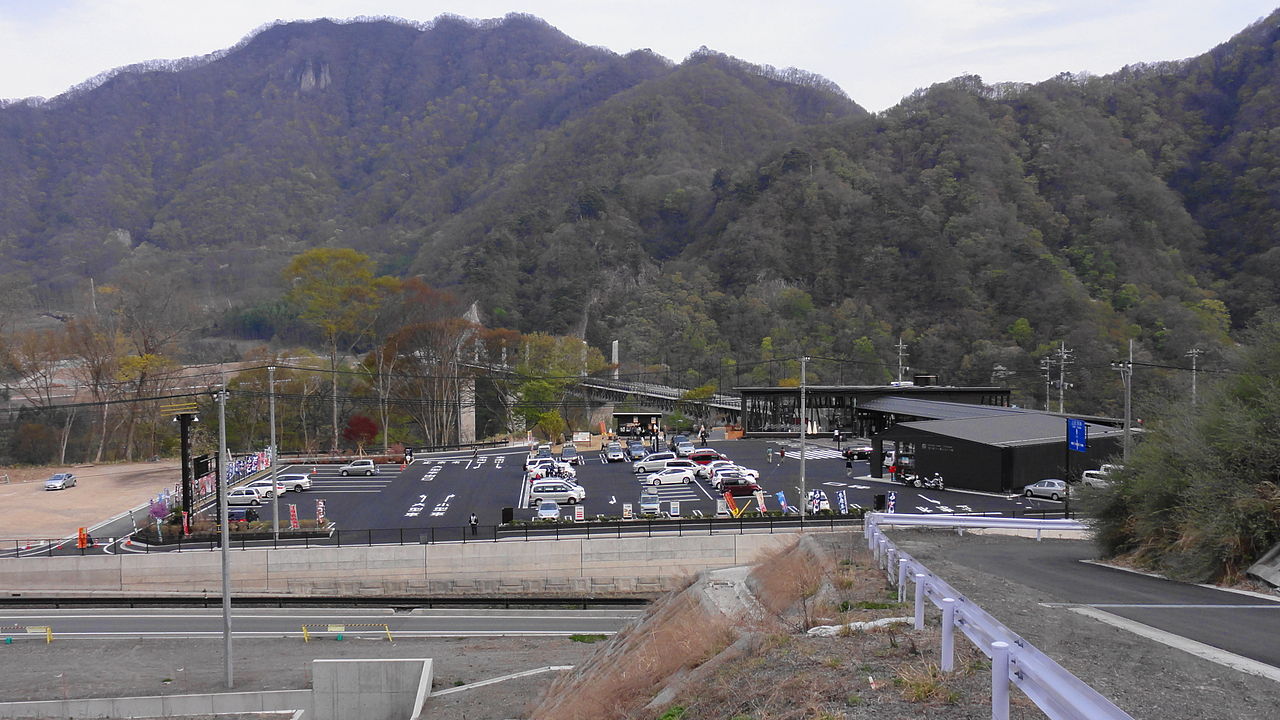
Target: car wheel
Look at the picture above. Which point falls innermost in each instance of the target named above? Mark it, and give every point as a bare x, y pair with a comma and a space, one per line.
655, 483
535, 502
572, 501
344, 473
687, 481
916, 482
1029, 494
297, 488
254, 502
1053, 496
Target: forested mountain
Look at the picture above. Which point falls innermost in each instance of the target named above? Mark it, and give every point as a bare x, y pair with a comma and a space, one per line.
697, 211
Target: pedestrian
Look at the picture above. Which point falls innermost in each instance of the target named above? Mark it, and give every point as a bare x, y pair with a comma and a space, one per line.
848, 463
768, 451
782, 455
474, 523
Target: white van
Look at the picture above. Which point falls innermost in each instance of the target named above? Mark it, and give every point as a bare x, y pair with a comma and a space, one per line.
557, 491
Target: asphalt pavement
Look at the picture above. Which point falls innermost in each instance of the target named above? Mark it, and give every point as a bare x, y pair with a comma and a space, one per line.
1243, 624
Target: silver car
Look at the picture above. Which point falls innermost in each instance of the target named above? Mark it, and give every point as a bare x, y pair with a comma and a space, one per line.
1052, 489
61, 481
359, 467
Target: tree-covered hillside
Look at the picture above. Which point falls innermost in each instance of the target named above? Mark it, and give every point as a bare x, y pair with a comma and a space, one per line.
704, 213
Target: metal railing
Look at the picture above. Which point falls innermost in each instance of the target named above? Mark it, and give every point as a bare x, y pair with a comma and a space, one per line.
1058, 693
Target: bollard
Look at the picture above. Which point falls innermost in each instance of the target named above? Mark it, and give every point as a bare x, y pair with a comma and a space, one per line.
338, 636
8, 641
902, 579
882, 553
948, 634
891, 562
919, 601
999, 680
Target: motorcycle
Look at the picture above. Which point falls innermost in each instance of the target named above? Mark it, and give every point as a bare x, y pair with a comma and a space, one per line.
933, 482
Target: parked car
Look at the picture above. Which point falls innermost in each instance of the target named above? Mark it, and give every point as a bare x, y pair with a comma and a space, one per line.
684, 447
569, 454
242, 514
363, 466
613, 453
652, 462
670, 476
650, 503
243, 496
60, 481
709, 471
730, 477
296, 482
263, 486
1095, 478
636, 450
560, 491
676, 440
1049, 488
548, 510
548, 467
704, 456
739, 487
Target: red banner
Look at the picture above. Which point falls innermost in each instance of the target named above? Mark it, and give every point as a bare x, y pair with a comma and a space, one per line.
293, 517
733, 505
320, 512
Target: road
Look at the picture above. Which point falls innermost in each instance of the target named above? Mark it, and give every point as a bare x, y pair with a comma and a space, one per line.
263, 622
1242, 624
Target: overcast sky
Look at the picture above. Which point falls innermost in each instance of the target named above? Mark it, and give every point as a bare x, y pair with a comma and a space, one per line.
876, 50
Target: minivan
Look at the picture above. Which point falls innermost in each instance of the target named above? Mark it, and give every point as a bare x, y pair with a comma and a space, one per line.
558, 491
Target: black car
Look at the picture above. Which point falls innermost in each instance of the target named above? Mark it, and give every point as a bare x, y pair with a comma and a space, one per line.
569, 454
671, 445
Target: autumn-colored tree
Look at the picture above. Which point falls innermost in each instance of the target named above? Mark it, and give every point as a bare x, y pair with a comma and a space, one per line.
360, 430
337, 293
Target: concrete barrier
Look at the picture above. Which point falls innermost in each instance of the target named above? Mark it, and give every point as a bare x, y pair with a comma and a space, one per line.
598, 567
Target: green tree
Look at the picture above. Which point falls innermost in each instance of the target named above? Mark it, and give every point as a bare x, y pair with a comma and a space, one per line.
337, 293
1200, 497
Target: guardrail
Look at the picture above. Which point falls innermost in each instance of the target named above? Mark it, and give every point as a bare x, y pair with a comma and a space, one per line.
1058, 693
8, 631
340, 629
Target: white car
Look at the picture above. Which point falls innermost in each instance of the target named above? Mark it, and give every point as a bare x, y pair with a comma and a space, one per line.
684, 448
363, 466
670, 476
711, 469
263, 487
548, 510
652, 462
296, 482
243, 496
547, 467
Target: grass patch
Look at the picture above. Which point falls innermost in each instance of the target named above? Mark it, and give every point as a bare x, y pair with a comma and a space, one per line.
587, 637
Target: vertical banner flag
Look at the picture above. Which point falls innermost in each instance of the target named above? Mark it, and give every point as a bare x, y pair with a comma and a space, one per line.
760, 501
320, 512
1077, 435
293, 517
733, 505
893, 500
844, 506
782, 500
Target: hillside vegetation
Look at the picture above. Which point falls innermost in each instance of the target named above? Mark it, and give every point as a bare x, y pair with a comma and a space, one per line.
696, 211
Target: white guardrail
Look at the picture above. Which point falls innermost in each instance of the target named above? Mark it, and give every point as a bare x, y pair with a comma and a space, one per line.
1058, 693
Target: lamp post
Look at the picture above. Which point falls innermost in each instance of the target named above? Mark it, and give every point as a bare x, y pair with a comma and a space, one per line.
275, 489
804, 426
224, 534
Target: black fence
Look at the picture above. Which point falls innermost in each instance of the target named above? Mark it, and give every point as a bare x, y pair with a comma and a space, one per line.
260, 539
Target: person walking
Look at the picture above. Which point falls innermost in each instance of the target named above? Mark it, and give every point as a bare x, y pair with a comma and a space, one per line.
782, 455
768, 452
475, 522
848, 463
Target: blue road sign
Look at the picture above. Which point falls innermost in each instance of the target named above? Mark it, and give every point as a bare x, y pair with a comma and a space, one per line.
1077, 435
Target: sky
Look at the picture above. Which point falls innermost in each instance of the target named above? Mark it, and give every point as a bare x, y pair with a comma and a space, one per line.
878, 51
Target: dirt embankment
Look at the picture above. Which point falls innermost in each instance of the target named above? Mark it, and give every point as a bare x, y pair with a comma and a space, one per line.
733, 644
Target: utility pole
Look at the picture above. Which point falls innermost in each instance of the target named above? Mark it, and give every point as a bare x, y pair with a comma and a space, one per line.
275, 490
1047, 367
1064, 359
902, 350
224, 534
1194, 353
1126, 376
804, 427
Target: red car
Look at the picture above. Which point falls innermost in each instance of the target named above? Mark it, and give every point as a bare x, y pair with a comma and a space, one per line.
703, 456
739, 489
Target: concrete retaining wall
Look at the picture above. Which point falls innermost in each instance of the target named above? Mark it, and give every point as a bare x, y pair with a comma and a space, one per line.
161, 705
598, 567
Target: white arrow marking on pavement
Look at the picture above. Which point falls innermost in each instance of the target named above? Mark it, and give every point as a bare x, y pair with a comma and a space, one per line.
929, 499
613, 500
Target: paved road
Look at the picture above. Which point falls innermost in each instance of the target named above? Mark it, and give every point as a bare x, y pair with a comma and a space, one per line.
179, 623
1242, 624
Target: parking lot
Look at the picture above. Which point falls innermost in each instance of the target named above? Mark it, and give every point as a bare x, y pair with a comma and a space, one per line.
443, 490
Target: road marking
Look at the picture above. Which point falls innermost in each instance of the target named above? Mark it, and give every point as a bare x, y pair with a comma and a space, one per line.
929, 499
1199, 649
1174, 606
501, 678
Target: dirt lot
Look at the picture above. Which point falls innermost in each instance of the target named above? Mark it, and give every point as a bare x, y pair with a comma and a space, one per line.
27, 510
